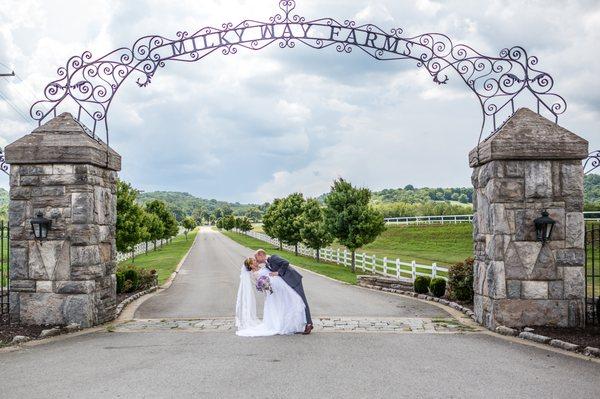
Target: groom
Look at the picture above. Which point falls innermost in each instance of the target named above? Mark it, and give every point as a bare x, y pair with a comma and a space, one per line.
281, 267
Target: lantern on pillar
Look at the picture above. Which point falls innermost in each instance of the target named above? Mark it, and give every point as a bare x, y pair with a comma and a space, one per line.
40, 226
543, 227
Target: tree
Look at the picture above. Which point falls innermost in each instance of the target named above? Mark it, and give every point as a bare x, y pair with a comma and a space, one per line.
188, 224
254, 214
289, 219
271, 221
349, 217
129, 218
244, 224
198, 215
169, 222
154, 227
226, 210
314, 232
228, 222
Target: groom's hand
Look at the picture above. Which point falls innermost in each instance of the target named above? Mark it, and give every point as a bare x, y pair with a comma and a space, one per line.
273, 274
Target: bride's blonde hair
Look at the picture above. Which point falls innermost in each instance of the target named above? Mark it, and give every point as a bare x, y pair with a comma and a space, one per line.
248, 263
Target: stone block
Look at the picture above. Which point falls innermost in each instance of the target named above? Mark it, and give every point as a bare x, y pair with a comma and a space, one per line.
87, 272
505, 190
19, 213
105, 252
514, 168
35, 169
569, 257
48, 191
574, 230
44, 286
499, 223
75, 287
19, 263
84, 234
555, 289
495, 280
531, 312
572, 179
574, 282
538, 179
489, 171
534, 289
82, 208
49, 261
41, 308
22, 285
80, 309
576, 317
20, 193
513, 289
85, 255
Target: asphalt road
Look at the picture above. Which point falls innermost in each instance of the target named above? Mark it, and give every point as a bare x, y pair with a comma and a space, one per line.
201, 364
208, 281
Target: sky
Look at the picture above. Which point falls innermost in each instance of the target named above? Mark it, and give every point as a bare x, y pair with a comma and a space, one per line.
253, 126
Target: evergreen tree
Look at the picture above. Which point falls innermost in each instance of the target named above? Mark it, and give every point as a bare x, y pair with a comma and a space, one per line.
314, 232
129, 218
349, 217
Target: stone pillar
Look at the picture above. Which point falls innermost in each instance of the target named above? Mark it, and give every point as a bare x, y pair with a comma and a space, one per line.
528, 165
70, 177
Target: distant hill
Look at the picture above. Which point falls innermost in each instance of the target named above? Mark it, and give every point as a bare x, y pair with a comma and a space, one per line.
183, 204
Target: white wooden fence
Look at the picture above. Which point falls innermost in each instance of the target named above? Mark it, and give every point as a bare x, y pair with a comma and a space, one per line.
363, 262
443, 219
142, 247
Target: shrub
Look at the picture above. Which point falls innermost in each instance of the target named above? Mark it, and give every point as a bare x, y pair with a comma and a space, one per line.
421, 284
438, 287
132, 278
460, 280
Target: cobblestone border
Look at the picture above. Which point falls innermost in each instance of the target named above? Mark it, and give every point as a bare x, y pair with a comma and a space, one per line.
542, 339
502, 330
132, 298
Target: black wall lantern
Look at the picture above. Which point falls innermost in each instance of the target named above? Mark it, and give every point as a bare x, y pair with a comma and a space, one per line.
543, 227
40, 226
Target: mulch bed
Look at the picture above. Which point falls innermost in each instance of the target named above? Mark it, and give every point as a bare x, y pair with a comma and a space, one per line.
589, 336
8, 331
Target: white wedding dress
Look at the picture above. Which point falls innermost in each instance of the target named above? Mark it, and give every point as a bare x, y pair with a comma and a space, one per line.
283, 311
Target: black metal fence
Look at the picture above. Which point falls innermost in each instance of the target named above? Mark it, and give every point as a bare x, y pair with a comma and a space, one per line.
592, 274
4, 273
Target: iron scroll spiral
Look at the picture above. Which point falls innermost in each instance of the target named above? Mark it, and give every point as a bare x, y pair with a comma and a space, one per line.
88, 85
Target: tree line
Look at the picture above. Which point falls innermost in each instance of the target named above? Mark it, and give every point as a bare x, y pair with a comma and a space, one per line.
346, 216
138, 223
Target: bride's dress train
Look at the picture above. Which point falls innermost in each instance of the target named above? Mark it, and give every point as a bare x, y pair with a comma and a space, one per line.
283, 310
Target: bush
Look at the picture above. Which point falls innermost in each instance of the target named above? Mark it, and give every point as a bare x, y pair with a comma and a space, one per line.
438, 287
460, 280
131, 278
421, 284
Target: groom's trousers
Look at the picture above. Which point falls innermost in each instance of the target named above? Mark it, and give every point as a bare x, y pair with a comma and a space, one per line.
300, 290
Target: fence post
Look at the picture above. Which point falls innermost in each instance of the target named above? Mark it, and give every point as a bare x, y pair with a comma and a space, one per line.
337, 257
434, 270
398, 269
373, 263
364, 261
385, 265
413, 269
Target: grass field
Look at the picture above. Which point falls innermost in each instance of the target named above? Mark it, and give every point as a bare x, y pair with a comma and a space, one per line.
444, 244
327, 269
166, 258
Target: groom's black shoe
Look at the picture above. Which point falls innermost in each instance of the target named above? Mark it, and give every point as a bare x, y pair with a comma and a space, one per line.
308, 329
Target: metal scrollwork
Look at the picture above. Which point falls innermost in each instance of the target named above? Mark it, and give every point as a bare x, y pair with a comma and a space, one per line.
3, 164
89, 84
591, 162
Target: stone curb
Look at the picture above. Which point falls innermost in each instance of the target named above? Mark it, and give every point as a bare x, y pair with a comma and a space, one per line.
557, 343
132, 298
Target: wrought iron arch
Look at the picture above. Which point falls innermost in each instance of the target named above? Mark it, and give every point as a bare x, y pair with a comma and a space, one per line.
90, 84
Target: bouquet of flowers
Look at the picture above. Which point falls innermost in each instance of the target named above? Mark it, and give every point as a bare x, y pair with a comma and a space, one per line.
263, 284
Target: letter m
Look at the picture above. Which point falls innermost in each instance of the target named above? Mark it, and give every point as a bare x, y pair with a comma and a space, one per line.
178, 47
391, 44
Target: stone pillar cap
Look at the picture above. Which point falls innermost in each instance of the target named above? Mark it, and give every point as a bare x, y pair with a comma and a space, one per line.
527, 135
62, 140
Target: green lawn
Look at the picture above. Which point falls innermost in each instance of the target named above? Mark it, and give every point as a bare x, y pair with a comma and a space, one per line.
327, 269
443, 243
165, 259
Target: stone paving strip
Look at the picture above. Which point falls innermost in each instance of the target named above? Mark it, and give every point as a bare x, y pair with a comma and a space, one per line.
321, 324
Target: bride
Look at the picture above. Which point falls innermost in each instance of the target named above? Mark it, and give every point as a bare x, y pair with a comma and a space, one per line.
283, 311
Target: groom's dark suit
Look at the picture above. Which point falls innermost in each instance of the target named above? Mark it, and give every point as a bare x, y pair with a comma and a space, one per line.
291, 277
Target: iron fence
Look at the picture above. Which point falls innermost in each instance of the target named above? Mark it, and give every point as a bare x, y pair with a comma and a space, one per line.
4, 273
592, 274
